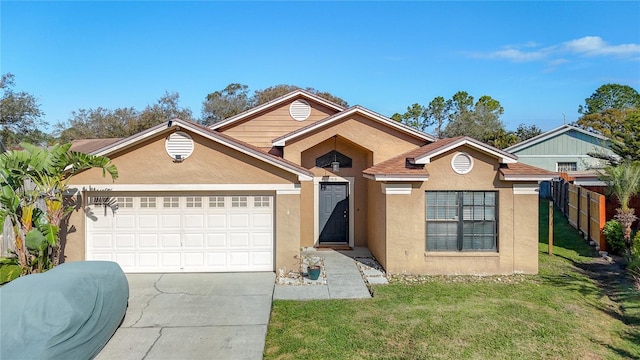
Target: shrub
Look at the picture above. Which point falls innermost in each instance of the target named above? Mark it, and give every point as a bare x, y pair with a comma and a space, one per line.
635, 246
614, 234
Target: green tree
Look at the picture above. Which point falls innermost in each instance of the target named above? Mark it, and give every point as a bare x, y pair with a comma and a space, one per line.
225, 103
437, 113
605, 110
121, 122
30, 178
20, 115
415, 116
235, 98
524, 132
625, 142
624, 182
480, 121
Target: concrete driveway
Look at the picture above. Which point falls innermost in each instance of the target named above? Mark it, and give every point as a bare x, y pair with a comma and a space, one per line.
194, 316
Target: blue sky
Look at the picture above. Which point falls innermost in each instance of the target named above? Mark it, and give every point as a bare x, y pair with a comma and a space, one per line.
539, 59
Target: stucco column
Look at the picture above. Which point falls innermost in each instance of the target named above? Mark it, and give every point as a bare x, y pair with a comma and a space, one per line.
287, 223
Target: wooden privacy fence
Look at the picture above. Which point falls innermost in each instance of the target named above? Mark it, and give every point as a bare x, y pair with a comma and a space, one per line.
585, 209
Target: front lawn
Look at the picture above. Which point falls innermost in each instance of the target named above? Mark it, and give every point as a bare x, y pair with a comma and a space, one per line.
562, 313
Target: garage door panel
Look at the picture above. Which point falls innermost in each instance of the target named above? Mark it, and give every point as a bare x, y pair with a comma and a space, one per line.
262, 240
126, 221
148, 241
171, 258
239, 240
148, 221
102, 241
194, 259
217, 259
168, 241
124, 241
170, 222
238, 221
217, 240
184, 233
150, 260
194, 221
194, 241
217, 221
261, 221
126, 259
237, 258
262, 258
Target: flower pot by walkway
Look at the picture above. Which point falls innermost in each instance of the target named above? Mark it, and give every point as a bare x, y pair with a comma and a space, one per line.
344, 280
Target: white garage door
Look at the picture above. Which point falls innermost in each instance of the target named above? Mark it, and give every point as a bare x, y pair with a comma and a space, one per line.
178, 233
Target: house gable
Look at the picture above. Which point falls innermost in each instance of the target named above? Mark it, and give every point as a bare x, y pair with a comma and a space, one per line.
148, 162
564, 145
258, 126
372, 135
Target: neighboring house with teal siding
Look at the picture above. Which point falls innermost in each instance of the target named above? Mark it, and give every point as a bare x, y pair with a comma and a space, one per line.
563, 149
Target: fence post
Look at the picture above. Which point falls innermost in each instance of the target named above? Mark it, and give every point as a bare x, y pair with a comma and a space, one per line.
551, 227
589, 216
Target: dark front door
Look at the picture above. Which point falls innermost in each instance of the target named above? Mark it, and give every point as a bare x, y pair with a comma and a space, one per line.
334, 213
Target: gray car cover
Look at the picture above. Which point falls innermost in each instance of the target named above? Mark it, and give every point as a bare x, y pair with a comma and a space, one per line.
68, 312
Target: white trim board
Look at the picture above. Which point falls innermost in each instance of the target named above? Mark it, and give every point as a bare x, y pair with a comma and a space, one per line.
289, 188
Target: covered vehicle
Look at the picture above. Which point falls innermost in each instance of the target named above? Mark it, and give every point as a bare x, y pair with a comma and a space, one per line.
69, 312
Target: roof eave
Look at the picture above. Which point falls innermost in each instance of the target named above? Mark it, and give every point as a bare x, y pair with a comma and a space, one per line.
396, 177
527, 177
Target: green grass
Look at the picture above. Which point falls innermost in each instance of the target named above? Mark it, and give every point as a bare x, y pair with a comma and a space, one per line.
559, 314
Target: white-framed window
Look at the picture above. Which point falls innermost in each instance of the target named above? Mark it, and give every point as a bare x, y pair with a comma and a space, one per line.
194, 201
462, 221
124, 202
262, 201
238, 201
171, 202
147, 202
216, 201
567, 166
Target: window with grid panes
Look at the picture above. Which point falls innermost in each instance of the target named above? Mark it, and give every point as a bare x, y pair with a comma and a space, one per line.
461, 221
261, 201
147, 202
171, 202
216, 201
125, 202
239, 201
194, 201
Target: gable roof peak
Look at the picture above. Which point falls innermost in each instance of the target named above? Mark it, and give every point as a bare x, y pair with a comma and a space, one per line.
551, 133
278, 101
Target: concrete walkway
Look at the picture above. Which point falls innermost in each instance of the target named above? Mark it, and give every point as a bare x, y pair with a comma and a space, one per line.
342, 277
194, 316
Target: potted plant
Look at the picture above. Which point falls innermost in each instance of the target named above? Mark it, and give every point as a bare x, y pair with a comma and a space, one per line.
313, 267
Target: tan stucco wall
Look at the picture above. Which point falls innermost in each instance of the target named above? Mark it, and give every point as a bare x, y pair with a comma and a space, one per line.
210, 163
287, 224
260, 129
73, 239
376, 222
406, 225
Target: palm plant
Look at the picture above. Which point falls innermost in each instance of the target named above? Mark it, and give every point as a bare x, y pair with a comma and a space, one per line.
32, 186
624, 182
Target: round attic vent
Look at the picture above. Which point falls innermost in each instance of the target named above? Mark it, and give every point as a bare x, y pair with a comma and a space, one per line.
179, 145
300, 110
462, 163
